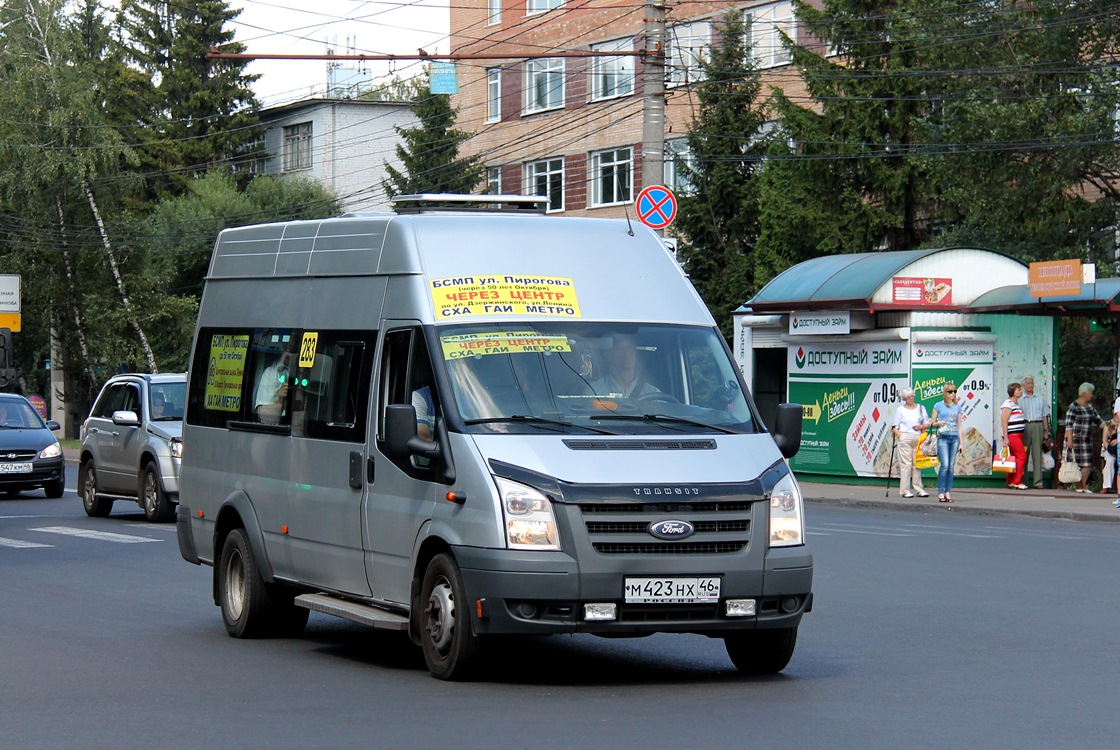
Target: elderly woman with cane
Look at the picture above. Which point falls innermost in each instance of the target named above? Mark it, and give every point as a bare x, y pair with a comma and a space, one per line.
910, 421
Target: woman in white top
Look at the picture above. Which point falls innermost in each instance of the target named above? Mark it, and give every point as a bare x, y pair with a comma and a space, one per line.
910, 420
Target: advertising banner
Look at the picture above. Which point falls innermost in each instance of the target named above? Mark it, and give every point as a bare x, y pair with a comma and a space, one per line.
226, 372
969, 366
917, 291
848, 392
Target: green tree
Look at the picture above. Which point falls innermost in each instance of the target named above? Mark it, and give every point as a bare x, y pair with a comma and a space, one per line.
718, 215
429, 155
180, 230
851, 181
203, 110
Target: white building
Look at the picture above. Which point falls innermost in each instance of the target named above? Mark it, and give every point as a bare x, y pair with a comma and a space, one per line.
342, 143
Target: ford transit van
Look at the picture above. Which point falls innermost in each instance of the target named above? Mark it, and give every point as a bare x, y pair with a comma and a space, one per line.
466, 419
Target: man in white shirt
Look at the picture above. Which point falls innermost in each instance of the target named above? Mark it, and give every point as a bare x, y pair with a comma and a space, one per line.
1036, 410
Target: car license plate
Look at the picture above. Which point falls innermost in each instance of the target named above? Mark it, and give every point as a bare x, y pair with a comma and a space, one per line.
16, 468
671, 590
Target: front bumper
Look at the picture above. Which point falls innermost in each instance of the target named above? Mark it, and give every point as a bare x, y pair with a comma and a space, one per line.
540, 593
44, 472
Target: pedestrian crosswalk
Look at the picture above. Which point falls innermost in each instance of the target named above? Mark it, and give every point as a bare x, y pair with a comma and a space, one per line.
37, 540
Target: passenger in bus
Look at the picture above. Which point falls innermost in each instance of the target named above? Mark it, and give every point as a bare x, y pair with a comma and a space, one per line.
272, 391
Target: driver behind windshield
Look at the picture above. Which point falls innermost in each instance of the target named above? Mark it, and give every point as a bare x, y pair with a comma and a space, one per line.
624, 377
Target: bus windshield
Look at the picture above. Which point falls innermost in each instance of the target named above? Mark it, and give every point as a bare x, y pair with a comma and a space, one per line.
616, 378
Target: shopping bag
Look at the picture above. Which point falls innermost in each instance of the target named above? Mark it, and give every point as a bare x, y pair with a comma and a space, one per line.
1069, 472
929, 444
1047, 461
921, 459
1003, 463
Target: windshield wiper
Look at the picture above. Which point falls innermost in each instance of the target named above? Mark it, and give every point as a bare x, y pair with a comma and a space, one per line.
666, 418
541, 422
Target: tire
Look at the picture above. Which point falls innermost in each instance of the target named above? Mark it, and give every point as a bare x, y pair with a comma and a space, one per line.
95, 506
761, 652
451, 647
56, 489
241, 590
157, 507
252, 608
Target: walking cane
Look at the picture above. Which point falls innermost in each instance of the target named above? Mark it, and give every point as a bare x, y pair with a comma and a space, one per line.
890, 464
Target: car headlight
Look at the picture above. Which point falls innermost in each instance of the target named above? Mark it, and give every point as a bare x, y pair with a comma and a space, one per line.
175, 445
530, 523
787, 523
51, 451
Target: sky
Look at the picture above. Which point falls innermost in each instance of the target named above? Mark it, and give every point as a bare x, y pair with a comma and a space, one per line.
309, 27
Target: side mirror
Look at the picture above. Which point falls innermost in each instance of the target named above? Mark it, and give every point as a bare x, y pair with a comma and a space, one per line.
126, 418
52, 425
787, 429
401, 440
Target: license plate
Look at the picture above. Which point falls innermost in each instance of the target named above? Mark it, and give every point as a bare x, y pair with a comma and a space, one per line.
16, 468
671, 590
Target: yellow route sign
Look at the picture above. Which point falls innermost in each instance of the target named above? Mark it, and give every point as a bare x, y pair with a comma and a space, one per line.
11, 321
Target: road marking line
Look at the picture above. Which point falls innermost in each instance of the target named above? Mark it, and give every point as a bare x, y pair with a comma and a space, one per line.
104, 536
20, 544
872, 533
153, 527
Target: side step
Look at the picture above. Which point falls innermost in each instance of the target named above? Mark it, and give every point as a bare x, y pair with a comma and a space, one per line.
363, 613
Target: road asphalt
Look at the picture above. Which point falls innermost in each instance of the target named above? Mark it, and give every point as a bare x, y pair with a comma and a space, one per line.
1045, 503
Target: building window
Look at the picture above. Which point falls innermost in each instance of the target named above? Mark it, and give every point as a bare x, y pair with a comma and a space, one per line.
546, 178
541, 6
766, 27
493, 94
493, 12
612, 76
297, 147
544, 84
611, 176
494, 180
678, 167
688, 46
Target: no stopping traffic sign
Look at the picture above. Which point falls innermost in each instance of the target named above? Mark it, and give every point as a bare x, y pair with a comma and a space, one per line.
657, 206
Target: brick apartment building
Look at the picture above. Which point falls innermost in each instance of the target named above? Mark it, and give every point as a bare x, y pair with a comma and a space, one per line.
571, 127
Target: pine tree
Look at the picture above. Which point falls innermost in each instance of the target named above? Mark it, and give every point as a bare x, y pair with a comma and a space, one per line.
719, 216
429, 155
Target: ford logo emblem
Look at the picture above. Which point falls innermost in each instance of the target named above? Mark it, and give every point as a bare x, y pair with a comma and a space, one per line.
671, 529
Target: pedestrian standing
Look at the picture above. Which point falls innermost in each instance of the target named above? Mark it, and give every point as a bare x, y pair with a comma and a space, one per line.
947, 420
1036, 410
1108, 455
1116, 464
1081, 419
1014, 425
910, 420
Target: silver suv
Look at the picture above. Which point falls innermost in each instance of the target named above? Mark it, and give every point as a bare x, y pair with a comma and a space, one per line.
132, 445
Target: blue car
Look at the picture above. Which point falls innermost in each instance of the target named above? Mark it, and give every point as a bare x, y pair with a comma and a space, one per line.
30, 456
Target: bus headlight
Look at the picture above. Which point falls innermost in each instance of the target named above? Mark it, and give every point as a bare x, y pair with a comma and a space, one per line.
787, 523
530, 523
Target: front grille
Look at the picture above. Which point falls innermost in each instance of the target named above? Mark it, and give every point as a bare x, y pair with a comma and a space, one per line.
719, 527
669, 548
18, 455
637, 527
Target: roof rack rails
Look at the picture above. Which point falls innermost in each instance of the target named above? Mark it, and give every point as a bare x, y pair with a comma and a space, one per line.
423, 202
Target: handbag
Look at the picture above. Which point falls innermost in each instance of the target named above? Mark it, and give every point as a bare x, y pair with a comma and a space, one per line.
1003, 463
1047, 444
1069, 472
929, 445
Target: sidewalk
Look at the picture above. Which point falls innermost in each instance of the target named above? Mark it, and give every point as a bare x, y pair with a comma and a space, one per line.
992, 500
1046, 503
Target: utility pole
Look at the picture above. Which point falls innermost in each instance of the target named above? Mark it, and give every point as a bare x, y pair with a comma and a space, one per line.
653, 103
